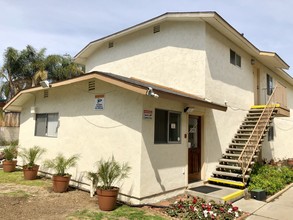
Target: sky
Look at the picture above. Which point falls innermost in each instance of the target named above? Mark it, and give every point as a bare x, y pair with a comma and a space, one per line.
65, 27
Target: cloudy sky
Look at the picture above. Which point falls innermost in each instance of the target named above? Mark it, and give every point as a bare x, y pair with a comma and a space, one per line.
67, 26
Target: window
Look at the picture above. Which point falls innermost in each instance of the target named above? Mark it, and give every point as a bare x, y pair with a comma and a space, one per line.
235, 59
47, 125
167, 127
271, 133
270, 86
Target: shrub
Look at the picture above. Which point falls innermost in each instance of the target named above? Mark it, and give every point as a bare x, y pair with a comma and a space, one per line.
270, 178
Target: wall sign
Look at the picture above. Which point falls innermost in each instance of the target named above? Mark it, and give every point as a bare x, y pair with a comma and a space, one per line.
148, 114
99, 102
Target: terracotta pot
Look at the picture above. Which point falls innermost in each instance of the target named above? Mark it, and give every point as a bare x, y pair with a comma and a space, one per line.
9, 165
60, 183
290, 161
107, 198
30, 173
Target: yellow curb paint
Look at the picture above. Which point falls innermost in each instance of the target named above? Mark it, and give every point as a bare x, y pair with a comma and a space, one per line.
233, 195
226, 182
263, 106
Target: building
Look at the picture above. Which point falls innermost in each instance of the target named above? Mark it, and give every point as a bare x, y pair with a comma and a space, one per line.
166, 95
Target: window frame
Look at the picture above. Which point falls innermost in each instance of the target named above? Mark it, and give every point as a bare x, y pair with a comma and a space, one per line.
271, 133
270, 84
235, 58
167, 124
43, 128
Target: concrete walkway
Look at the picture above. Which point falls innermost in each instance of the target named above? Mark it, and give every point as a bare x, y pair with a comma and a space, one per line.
281, 208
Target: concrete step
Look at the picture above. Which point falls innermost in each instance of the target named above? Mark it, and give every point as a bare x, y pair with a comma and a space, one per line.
234, 175
228, 167
227, 182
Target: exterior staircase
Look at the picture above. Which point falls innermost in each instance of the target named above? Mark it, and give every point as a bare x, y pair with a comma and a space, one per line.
235, 166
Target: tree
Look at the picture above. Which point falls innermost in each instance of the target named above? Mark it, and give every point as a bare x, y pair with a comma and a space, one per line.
26, 68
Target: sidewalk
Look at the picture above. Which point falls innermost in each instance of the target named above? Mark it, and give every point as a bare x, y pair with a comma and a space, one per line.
281, 208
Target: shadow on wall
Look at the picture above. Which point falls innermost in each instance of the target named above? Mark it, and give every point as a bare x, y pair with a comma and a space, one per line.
212, 149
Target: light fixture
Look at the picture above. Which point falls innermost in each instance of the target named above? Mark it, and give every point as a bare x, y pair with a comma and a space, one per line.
252, 61
188, 109
45, 84
150, 92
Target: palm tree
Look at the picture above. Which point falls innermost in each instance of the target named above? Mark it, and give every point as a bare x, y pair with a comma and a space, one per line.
26, 68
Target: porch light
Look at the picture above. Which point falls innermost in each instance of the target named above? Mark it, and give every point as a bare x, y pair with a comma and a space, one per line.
45, 84
188, 109
150, 92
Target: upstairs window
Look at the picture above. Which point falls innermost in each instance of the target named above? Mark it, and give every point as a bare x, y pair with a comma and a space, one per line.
270, 86
167, 127
235, 59
271, 133
47, 125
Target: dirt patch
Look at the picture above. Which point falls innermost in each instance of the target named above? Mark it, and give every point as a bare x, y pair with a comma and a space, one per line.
29, 202
34, 202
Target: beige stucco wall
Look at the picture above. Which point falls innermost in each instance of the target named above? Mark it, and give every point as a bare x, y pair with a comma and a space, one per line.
92, 134
281, 147
174, 57
163, 166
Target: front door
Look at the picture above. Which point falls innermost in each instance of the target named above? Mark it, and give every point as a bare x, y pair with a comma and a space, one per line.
194, 148
257, 90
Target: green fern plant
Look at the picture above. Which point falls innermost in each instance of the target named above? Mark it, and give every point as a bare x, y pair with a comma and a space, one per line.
10, 152
109, 173
60, 164
30, 155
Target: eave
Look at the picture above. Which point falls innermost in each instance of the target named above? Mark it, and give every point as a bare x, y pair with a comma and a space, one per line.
132, 84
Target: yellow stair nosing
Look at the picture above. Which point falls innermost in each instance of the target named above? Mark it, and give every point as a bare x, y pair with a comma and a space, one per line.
263, 106
233, 195
226, 182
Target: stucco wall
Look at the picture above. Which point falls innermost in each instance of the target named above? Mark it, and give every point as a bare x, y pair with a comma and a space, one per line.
281, 146
163, 166
93, 134
174, 57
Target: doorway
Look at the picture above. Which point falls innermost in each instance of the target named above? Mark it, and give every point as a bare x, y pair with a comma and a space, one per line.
257, 90
194, 148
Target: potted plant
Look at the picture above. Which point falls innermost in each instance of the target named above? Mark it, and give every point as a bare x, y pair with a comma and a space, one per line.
29, 156
60, 165
10, 153
290, 161
104, 179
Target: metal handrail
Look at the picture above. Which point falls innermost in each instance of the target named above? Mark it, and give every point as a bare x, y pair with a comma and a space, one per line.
253, 141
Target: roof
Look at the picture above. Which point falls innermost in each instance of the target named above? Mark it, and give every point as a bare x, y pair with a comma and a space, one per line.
132, 84
270, 59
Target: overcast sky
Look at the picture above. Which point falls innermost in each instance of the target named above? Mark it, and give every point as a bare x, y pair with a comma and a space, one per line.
67, 26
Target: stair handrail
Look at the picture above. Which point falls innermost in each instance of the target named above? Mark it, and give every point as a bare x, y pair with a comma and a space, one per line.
269, 107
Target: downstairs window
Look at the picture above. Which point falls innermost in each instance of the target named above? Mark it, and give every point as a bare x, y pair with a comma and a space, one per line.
47, 124
167, 127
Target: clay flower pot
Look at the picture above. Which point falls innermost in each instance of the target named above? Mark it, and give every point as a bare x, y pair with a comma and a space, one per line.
9, 165
60, 183
107, 198
290, 162
30, 173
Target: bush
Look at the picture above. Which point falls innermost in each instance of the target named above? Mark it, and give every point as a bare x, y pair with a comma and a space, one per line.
270, 178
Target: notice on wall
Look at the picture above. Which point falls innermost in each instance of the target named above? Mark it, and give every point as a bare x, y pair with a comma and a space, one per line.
148, 114
99, 102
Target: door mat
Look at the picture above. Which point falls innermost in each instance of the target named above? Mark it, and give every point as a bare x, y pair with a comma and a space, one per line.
205, 189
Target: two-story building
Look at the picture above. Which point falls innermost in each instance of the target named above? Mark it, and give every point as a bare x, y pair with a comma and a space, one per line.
167, 96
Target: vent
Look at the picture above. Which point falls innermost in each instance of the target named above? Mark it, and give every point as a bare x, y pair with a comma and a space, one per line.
157, 29
46, 93
92, 85
111, 44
